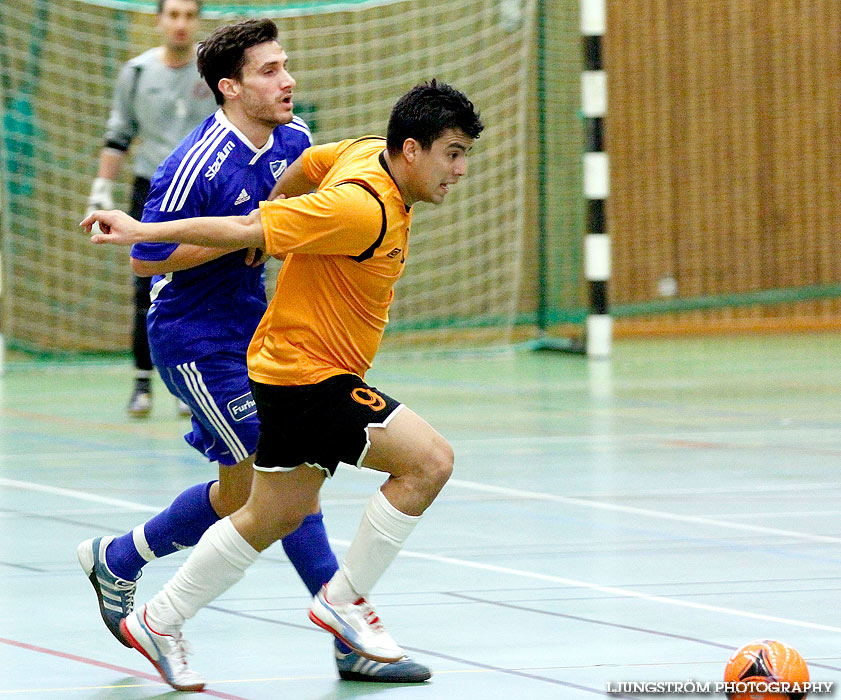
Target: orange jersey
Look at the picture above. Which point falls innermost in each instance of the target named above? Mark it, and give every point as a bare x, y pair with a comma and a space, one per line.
346, 246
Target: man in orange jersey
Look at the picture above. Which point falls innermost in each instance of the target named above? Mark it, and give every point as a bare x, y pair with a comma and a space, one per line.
308, 359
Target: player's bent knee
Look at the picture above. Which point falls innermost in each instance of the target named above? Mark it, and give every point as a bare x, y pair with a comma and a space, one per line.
226, 499
229, 503
285, 527
437, 467
232, 490
262, 529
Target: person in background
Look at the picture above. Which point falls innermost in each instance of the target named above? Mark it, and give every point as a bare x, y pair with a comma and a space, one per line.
159, 98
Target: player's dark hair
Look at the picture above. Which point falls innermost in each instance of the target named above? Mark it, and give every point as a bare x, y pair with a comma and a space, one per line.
426, 111
161, 4
222, 54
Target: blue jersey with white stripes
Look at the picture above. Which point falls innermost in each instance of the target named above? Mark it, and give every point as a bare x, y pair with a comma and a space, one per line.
215, 171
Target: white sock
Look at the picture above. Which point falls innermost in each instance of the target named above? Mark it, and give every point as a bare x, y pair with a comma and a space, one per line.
218, 561
380, 537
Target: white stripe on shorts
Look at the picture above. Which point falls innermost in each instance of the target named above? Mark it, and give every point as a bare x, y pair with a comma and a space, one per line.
196, 386
314, 465
383, 424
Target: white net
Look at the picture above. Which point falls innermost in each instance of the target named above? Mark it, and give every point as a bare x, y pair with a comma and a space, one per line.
351, 60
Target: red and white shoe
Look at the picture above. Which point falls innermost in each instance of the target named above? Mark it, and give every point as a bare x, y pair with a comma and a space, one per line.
357, 625
167, 652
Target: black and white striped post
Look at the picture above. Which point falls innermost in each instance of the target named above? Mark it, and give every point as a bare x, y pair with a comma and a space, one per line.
596, 179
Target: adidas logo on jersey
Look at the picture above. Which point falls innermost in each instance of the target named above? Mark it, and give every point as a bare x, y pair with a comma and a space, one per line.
243, 197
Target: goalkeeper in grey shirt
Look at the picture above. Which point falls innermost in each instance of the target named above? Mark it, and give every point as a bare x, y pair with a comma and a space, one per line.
159, 98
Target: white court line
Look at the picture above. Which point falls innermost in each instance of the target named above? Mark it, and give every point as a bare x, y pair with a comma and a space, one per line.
612, 590
473, 486
78, 495
623, 592
712, 436
646, 512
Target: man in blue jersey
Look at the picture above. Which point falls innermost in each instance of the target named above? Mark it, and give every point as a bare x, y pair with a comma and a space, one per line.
206, 304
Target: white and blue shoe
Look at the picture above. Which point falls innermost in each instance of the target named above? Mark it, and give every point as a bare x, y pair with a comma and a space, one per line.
353, 667
115, 594
167, 652
140, 403
357, 625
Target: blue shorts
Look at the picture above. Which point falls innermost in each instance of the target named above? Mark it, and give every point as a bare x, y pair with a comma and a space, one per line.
216, 388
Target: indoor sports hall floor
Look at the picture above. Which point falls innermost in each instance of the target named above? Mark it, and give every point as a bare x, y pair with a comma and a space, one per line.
632, 519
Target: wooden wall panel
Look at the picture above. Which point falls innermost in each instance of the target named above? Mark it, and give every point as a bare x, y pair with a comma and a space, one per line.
725, 147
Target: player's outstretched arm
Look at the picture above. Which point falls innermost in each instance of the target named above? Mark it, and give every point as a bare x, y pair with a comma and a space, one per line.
184, 257
231, 232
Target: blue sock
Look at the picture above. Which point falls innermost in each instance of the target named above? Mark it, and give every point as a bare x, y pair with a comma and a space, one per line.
310, 552
311, 555
180, 526
313, 559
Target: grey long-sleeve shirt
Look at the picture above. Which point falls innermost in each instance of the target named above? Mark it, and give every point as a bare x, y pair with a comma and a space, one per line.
157, 105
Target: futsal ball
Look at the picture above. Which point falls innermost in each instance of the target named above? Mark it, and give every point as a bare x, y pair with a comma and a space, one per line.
766, 670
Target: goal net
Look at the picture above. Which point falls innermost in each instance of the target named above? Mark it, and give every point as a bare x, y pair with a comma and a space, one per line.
465, 282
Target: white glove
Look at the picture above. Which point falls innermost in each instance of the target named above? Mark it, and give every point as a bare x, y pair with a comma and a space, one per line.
101, 197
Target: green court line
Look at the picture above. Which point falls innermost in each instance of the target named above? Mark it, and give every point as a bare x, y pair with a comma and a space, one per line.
555, 316
578, 315
291, 9
784, 295
34, 352
542, 234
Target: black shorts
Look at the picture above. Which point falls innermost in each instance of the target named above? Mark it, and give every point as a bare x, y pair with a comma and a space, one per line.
139, 192
318, 424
